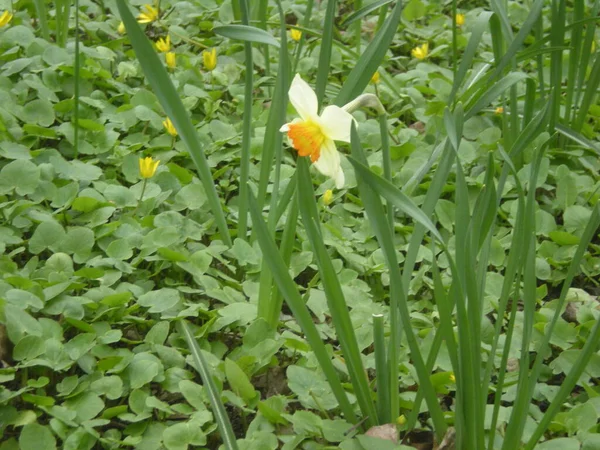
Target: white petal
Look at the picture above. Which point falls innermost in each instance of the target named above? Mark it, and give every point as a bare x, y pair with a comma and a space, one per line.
336, 123
303, 99
285, 128
329, 163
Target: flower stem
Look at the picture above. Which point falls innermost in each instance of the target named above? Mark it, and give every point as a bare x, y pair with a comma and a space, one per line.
141, 196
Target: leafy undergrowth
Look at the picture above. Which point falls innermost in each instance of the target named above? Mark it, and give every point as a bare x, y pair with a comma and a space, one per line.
98, 264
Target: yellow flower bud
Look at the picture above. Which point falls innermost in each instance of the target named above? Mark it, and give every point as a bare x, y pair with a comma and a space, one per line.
499, 110
150, 14
401, 420
421, 51
148, 167
375, 78
327, 197
170, 60
460, 20
5, 18
170, 127
164, 45
295, 34
121, 28
210, 59
452, 378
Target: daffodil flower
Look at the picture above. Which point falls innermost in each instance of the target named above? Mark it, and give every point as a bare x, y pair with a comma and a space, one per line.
5, 18
421, 51
150, 14
313, 135
163, 44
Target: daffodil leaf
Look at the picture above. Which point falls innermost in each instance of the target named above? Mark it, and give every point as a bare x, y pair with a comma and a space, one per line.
395, 195
370, 60
364, 11
246, 33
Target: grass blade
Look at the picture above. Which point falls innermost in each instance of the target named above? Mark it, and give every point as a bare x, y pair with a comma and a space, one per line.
370, 60
288, 289
246, 33
161, 83
365, 11
246, 128
325, 53
214, 397
398, 305
333, 292
395, 196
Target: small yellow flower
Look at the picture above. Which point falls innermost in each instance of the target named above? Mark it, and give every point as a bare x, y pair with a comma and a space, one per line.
163, 45
375, 78
210, 59
148, 167
452, 378
401, 420
169, 127
499, 110
150, 14
5, 17
170, 60
295, 34
121, 28
421, 51
327, 197
460, 20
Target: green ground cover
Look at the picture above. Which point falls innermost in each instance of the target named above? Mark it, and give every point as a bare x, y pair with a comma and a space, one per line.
179, 271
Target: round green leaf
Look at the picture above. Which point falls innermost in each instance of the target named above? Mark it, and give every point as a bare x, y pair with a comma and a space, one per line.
36, 437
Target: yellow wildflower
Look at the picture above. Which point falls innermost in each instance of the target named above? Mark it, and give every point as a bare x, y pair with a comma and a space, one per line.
150, 14
170, 60
421, 51
401, 420
327, 197
148, 167
169, 127
121, 28
295, 34
460, 20
5, 17
164, 44
375, 78
499, 110
210, 59
452, 378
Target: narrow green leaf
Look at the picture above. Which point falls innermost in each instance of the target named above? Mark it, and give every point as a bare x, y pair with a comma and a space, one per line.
246, 33
370, 60
364, 11
288, 289
214, 396
394, 195
333, 292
